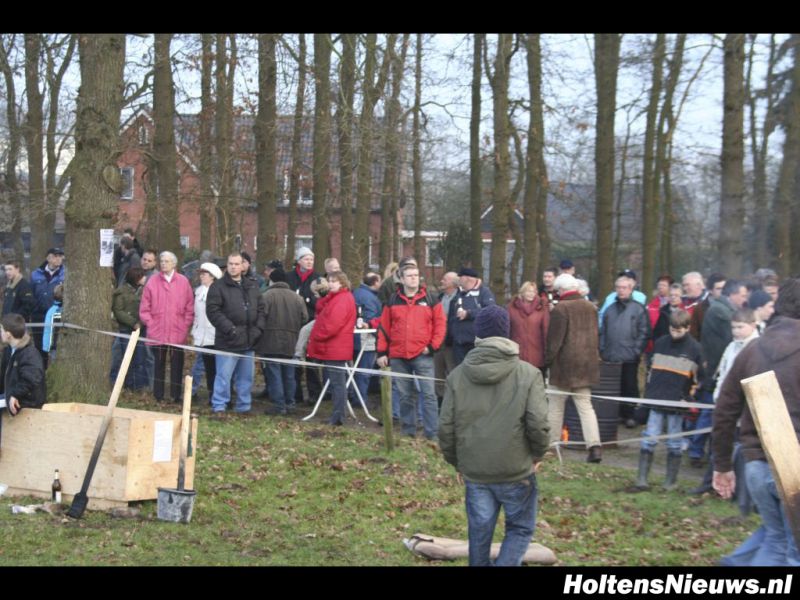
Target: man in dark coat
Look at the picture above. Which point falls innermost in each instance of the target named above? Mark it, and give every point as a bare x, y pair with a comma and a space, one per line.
18, 295
44, 281
464, 309
22, 381
235, 309
776, 350
284, 314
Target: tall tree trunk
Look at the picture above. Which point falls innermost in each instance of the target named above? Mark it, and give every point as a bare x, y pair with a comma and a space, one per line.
12, 151
650, 176
606, 57
372, 93
297, 133
389, 205
666, 129
416, 158
34, 137
502, 166
207, 201
265, 133
227, 205
344, 122
164, 153
322, 143
786, 196
535, 174
91, 206
731, 207
55, 184
476, 240
762, 208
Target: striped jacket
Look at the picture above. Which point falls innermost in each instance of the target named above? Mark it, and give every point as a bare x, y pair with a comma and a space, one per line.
674, 369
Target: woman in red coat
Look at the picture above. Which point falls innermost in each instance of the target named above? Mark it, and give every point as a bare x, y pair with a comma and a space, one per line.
530, 319
331, 340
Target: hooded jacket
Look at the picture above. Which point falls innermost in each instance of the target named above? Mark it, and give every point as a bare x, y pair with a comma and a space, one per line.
125, 303
777, 350
493, 425
332, 335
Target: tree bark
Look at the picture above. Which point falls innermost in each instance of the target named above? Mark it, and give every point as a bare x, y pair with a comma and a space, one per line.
536, 174
12, 151
786, 196
227, 206
416, 158
92, 205
502, 165
390, 192
322, 143
731, 207
344, 122
164, 154
372, 93
34, 137
207, 200
606, 57
650, 175
265, 133
476, 240
297, 132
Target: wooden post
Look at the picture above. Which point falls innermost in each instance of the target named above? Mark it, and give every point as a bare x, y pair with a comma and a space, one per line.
386, 409
779, 440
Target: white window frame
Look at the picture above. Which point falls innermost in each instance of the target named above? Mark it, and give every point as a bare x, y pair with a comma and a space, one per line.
126, 193
307, 241
184, 241
440, 261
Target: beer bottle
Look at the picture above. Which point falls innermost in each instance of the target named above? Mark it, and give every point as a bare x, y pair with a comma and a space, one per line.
360, 320
56, 488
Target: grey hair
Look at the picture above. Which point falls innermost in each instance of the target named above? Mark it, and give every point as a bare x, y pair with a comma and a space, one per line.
169, 255
566, 283
694, 275
583, 287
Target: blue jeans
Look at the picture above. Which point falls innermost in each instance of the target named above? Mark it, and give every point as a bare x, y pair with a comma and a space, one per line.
483, 502
655, 426
697, 446
338, 379
422, 365
778, 548
362, 379
198, 370
136, 377
280, 383
744, 554
241, 370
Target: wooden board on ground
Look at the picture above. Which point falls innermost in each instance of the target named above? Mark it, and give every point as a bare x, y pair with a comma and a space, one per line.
131, 466
779, 440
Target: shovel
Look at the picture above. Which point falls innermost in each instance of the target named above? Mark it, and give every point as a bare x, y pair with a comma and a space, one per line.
176, 504
80, 500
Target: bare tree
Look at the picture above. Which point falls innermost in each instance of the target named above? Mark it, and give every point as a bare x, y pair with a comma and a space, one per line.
731, 207
14, 142
606, 66
265, 133
322, 142
785, 198
92, 204
344, 122
475, 210
205, 125
498, 80
34, 137
297, 136
416, 158
227, 204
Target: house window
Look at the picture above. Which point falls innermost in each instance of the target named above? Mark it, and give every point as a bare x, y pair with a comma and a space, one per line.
127, 183
306, 192
184, 241
299, 242
284, 185
433, 253
143, 139
373, 264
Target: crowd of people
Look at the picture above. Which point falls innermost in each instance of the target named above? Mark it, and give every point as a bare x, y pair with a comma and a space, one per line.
480, 368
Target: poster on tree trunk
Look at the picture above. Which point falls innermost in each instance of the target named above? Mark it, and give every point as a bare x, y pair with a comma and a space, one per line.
106, 247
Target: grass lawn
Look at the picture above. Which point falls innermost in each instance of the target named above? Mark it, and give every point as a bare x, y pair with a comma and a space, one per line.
277, 491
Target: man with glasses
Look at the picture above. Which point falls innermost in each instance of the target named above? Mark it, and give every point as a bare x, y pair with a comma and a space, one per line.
412, 328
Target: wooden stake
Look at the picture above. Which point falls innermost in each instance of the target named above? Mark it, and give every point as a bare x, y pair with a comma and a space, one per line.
186, 422
386, 409
779, 440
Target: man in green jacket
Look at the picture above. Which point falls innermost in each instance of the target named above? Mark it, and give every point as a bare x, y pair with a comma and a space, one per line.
493, 429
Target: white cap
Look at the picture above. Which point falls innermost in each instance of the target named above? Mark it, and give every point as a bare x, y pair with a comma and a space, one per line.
213, 269
301, 252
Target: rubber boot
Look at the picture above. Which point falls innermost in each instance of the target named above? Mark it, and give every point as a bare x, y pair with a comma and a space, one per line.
673, 466
645, 462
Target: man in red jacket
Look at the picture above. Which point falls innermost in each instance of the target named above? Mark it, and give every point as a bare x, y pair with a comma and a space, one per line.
412, 328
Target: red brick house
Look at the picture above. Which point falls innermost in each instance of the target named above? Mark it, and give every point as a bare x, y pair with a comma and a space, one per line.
137, 136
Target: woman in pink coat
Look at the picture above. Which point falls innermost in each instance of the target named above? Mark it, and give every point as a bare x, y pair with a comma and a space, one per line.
331, 341
530, 319
167, 310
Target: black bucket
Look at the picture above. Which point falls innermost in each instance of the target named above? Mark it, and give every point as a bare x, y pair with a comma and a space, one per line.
607, 411
175, 505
